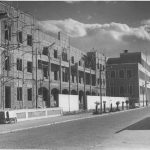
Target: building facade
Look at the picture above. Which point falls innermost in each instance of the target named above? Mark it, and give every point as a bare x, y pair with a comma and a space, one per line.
35, 67
129, 76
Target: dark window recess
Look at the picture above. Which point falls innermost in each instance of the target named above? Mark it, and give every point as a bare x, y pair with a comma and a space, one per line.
55, 75
19, 64
30, 94
121, 74
88, 79
79, 63
112, 74
93, 80
7, 63
97, 66
44, 66
29, 40
19, 93
45, 51
66, 77
97, 81
79, 79
7, 97
64, 56
55, 53
63, 76
73, 78
29, 66
101, 81
104, 82
45, 63
72, 59
45, 72
102, 67
19, 36
39, 64
7, 32
129, 73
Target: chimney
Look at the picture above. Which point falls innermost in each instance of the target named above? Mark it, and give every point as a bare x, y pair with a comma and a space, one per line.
125, 51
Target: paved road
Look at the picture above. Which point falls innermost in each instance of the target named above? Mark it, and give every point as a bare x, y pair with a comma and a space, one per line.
81, 134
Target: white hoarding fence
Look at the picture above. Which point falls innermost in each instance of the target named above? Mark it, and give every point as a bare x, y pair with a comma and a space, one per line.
69, 102
91, 100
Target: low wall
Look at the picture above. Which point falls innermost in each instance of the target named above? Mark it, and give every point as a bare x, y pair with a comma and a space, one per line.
30, 114
92, 99
69, 102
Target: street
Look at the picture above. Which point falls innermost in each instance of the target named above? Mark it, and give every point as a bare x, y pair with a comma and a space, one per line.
79, 134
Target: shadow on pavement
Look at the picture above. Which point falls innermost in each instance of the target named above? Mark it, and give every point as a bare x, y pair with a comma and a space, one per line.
141, 125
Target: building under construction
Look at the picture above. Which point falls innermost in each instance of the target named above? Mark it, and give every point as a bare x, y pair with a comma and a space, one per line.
36, 67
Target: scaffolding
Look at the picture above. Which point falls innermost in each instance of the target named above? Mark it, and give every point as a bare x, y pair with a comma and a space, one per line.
23, 43
7, 18
15, 28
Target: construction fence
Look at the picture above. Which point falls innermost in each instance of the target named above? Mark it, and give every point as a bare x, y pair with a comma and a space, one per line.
71, 102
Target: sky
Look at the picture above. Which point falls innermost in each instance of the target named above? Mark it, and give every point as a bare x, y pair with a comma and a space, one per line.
107, 26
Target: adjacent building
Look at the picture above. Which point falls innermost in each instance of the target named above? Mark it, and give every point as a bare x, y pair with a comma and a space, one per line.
36, 67
129, 76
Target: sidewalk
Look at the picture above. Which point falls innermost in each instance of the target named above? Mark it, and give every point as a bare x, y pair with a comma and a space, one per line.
24, 125
136, 136
127, 140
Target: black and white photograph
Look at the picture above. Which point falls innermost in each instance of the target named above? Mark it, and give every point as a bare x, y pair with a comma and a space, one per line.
75, 75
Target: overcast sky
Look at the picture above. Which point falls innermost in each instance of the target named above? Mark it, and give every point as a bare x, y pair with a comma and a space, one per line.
110, 27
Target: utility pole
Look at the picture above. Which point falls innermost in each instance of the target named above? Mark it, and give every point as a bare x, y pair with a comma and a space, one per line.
100, 87
36, 82
69, 69
146, 92
100, 78
90, 65
49, 71
77, 78
90, 82
143, 94
69, 74
60, 74
146, 82
84, 86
